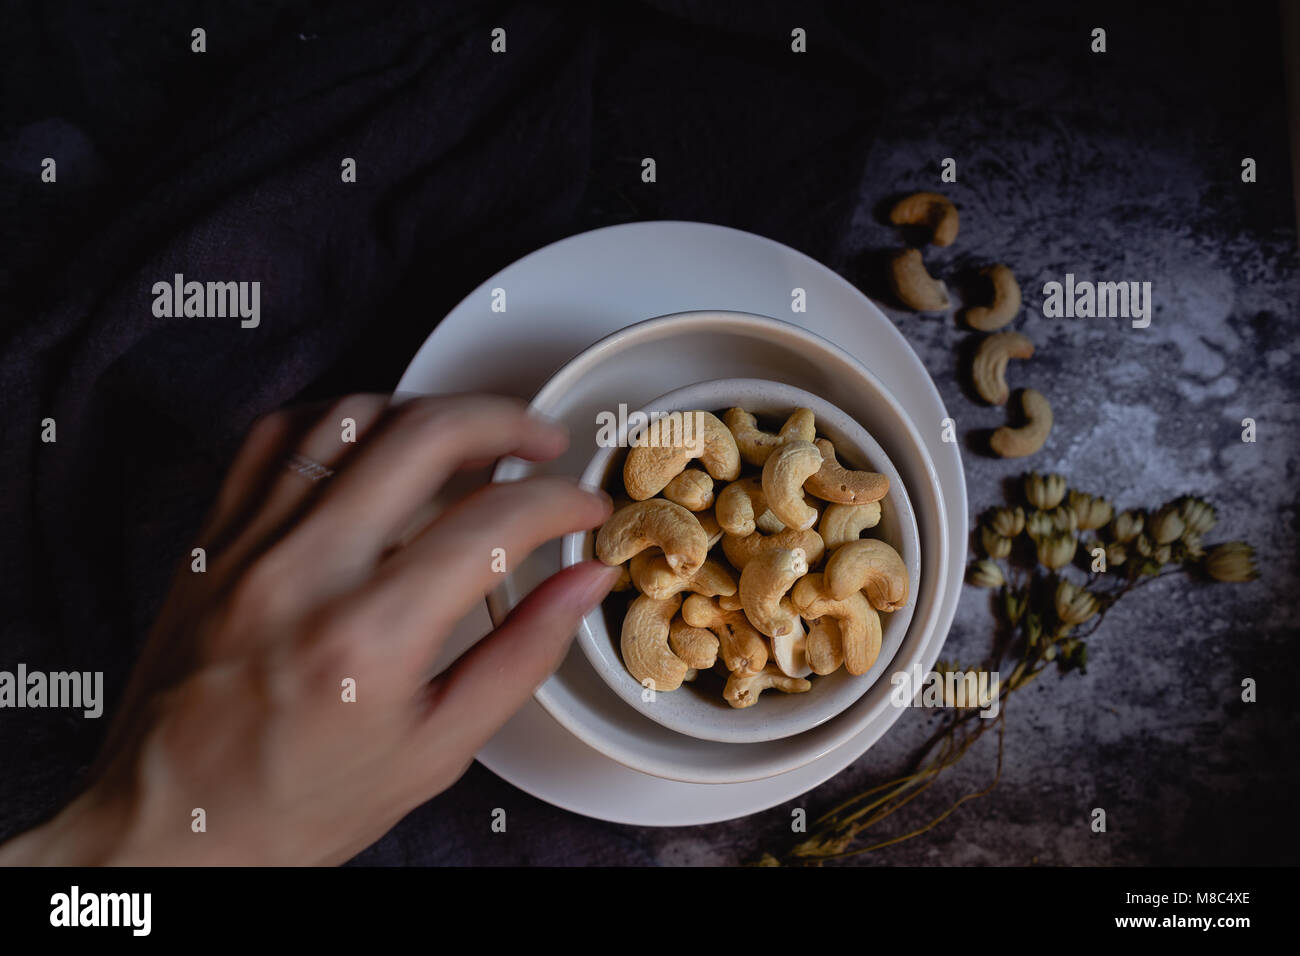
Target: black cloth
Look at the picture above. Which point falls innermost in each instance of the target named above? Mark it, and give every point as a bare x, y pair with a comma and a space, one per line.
225, 165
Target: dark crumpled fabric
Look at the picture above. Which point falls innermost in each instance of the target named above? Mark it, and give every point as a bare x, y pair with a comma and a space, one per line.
226, 166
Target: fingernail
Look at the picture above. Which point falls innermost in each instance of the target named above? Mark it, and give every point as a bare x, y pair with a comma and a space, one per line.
547, 421
598, 584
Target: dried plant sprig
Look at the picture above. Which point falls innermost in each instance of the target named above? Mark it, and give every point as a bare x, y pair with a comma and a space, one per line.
1046, 620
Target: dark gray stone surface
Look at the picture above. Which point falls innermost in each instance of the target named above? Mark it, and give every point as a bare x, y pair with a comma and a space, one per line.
1117, 166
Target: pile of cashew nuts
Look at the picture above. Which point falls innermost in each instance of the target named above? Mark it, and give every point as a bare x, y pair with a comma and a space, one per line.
921, 292
796, 591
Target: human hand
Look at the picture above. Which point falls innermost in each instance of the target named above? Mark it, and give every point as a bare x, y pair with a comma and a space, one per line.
237, 703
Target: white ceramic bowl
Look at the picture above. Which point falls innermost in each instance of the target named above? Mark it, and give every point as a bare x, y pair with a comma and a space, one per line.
636, 363
697, 709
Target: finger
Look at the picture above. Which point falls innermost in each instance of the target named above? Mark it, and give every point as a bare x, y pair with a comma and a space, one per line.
477, 694
421, 591
327, 440
410, 457
267, 441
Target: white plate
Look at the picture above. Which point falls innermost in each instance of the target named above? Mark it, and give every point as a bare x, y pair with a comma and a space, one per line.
562, 298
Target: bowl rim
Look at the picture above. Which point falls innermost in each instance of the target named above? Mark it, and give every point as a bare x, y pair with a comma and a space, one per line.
848, 726
593, 632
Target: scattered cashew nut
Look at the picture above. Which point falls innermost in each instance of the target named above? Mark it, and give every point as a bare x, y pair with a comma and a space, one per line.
1006, 301
841, 524
740, 647
763, 585
743, 691
661, 453
740, 551
928, 209
697, 646
653, 577
990, 366
869, 565
757, 445
1028, 438
833, 482
692, 489
916, 288
859, 622
644, 643
784, 474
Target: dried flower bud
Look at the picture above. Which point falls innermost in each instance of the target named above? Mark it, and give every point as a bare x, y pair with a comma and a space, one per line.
995, 545
1064, 519
986, 574
1015, 603
1198, 515
1039, 524
1192, 546
1044, 491
1050, 653
1056, 551
1074, 605
1126, 526
1093, 512
1166, 525
1234, 561
1033, 628
1163, 554
1145, 546
1116, 554
1008, 522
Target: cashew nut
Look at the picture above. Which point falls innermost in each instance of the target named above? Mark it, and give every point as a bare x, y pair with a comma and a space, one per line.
859, 622
740, 551
655, 523
739, 504
729, 602
833, 482
790, 651
824, 646
1027, 439
697, 646
645, 643
709, 522
870, 565
928, 209
841, 524
757, 445
763, 584
784, 474
990, 366
624, 580
740, 647
692, 489
653, 577
915, 287
1006, 301
742, 691
661, 453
